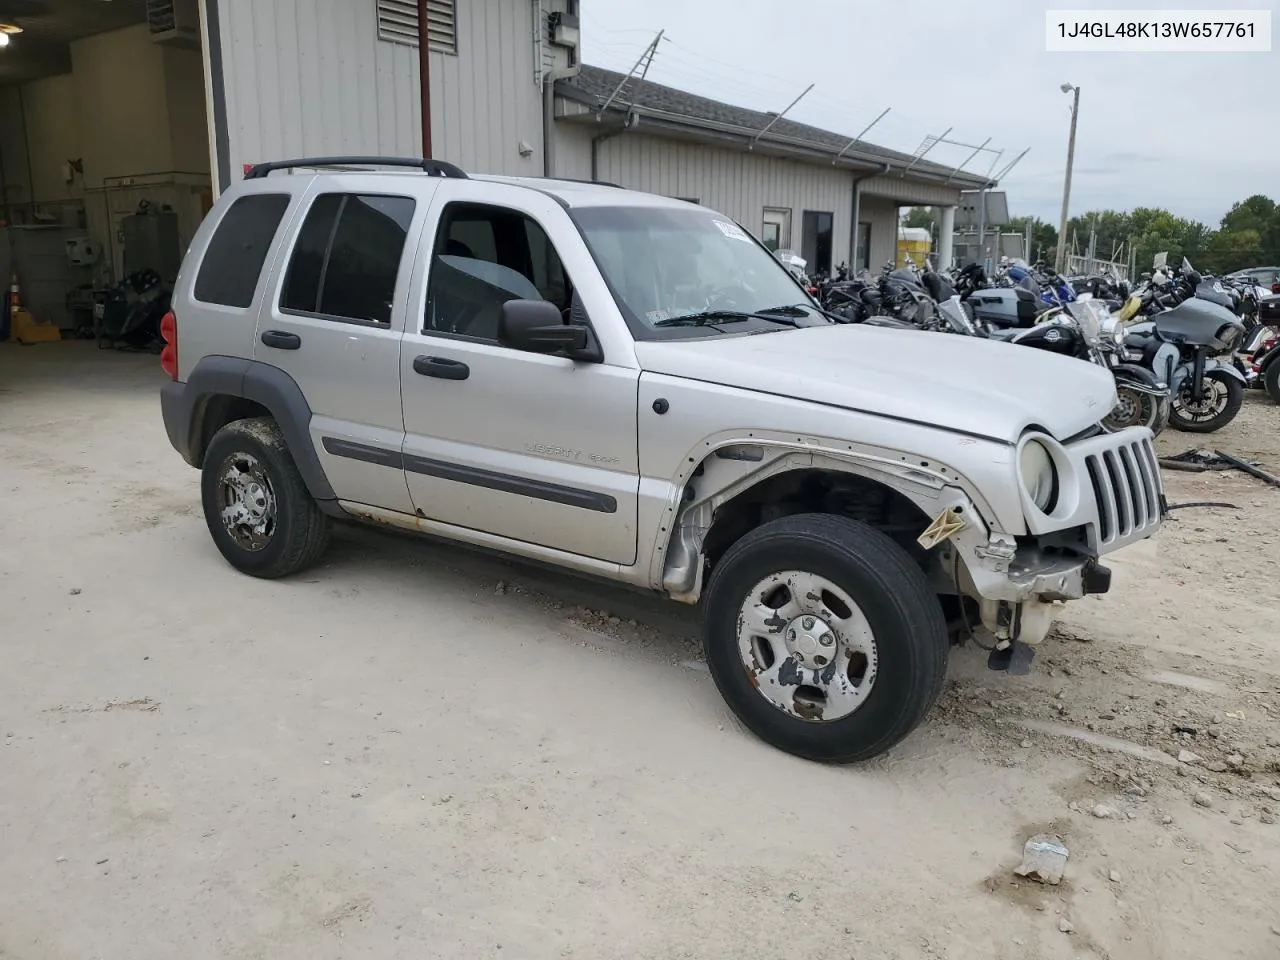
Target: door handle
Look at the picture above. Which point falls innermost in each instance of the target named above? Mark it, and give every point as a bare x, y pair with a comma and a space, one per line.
281, 340
441, 367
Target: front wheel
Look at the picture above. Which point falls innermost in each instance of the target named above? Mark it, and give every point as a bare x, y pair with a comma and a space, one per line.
1135, 408
1218, 405
824, 637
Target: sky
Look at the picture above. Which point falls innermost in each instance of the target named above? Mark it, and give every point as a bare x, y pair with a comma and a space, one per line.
1193, 133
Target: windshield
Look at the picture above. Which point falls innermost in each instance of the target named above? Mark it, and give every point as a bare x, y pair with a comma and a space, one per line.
688, 272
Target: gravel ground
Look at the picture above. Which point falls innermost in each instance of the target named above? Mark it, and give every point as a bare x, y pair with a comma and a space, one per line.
417, 750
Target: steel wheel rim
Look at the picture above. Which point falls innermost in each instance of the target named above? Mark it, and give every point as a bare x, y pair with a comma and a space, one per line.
1215, 400
247, 501
1128, 411
806, 647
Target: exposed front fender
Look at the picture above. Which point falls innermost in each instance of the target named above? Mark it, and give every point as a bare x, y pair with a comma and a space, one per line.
1218, 365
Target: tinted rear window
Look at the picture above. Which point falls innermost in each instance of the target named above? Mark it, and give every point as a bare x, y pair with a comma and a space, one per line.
345, 262
233, 261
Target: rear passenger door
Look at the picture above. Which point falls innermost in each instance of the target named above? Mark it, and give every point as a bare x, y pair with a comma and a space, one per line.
334, 319
536, 448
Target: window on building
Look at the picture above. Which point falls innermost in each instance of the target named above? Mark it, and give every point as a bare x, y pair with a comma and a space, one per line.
233, 261
347, 257
483, 257
398, 23
775, 232
816, 242
862, 256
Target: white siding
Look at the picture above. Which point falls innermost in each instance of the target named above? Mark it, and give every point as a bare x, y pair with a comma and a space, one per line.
882, 214
311, 77
916, 192
734, 182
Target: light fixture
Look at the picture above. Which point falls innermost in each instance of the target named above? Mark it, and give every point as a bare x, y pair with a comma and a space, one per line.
1066, 88
7, 30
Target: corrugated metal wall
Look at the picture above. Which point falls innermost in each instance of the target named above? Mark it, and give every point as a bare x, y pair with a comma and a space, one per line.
731, 181
882, 214
311, 77
919, 193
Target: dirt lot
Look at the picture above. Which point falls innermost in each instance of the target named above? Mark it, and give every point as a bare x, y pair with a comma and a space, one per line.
419, 751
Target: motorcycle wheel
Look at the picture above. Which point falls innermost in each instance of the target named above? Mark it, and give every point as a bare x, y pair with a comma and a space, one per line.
1271, 380
1137, 409
1223, 396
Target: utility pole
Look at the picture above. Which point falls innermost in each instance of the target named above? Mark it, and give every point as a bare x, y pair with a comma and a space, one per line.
424, 75
1066, 185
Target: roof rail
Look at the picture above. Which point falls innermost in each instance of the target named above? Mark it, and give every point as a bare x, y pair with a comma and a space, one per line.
435, 168
597, 183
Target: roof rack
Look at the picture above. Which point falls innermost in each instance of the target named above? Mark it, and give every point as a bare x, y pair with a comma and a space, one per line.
435, 168
597, 183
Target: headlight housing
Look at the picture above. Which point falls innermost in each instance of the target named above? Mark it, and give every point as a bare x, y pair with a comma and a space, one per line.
1039, 475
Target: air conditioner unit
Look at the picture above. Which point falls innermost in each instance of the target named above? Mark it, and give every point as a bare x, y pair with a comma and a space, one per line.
174, 22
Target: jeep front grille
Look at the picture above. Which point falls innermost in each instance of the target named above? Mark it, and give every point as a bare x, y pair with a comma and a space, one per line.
1126, 485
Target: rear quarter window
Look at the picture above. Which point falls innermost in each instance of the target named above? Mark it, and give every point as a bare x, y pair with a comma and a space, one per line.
234, 258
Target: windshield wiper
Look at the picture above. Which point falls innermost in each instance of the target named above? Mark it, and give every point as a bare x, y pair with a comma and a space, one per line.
711, 317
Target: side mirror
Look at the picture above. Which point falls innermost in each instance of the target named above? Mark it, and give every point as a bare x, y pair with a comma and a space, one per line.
538, 327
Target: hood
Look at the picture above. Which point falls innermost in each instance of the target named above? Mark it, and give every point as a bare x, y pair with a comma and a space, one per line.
966, 384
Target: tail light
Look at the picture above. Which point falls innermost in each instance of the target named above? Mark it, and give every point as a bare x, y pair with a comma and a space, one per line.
169, 355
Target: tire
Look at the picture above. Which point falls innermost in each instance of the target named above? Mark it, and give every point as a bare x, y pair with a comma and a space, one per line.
1271, 380
1138, 409
894, 605
1180, 418
278, 530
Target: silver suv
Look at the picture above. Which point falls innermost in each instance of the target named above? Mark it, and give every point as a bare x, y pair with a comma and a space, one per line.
632, 387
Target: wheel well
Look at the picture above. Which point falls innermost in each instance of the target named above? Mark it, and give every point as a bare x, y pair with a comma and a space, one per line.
216, 412
817, 491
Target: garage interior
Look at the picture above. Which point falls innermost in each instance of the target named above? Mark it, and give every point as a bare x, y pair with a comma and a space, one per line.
104, 164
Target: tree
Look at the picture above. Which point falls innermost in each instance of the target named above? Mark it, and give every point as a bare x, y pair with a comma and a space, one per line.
919, 217
1044, 237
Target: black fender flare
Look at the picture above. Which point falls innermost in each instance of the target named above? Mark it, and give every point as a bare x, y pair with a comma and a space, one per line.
184, 406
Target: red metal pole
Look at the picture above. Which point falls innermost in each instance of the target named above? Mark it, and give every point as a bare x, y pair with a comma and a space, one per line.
424, 75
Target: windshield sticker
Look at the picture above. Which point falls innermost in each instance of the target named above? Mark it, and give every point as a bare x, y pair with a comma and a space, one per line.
731, 230
657, 316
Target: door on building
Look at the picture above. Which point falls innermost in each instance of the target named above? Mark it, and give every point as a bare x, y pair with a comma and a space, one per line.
500, 440
862, 257
816, 240
775, 231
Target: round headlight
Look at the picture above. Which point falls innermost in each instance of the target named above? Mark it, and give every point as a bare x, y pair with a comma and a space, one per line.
1038, 474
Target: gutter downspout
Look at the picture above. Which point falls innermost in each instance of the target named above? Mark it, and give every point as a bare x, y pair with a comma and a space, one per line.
549, 114
857, 214
595, 147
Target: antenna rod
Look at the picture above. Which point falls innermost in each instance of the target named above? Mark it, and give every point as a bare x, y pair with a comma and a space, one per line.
1012, 163
976, 151
862, 134
781, 115
920, 156
649, 52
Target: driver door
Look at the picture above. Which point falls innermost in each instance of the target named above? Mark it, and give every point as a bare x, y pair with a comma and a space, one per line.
535, 448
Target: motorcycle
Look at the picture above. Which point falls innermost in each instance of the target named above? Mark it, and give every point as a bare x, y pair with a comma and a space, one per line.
1086, 330
1184, 346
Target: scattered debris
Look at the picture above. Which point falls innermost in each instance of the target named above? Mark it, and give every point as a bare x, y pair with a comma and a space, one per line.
794, 897
1102, 811
1114, 876
74, 591
1202, 799
1066, 926
500, 589
1043, 859
1186, 756
1235, 761
1166, 820
102, 861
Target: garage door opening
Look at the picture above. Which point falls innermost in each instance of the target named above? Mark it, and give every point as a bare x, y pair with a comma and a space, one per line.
104, 164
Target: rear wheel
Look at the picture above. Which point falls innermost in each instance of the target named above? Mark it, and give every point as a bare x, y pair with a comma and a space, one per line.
824, 637
1271, 380
1223, 394
257, 506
